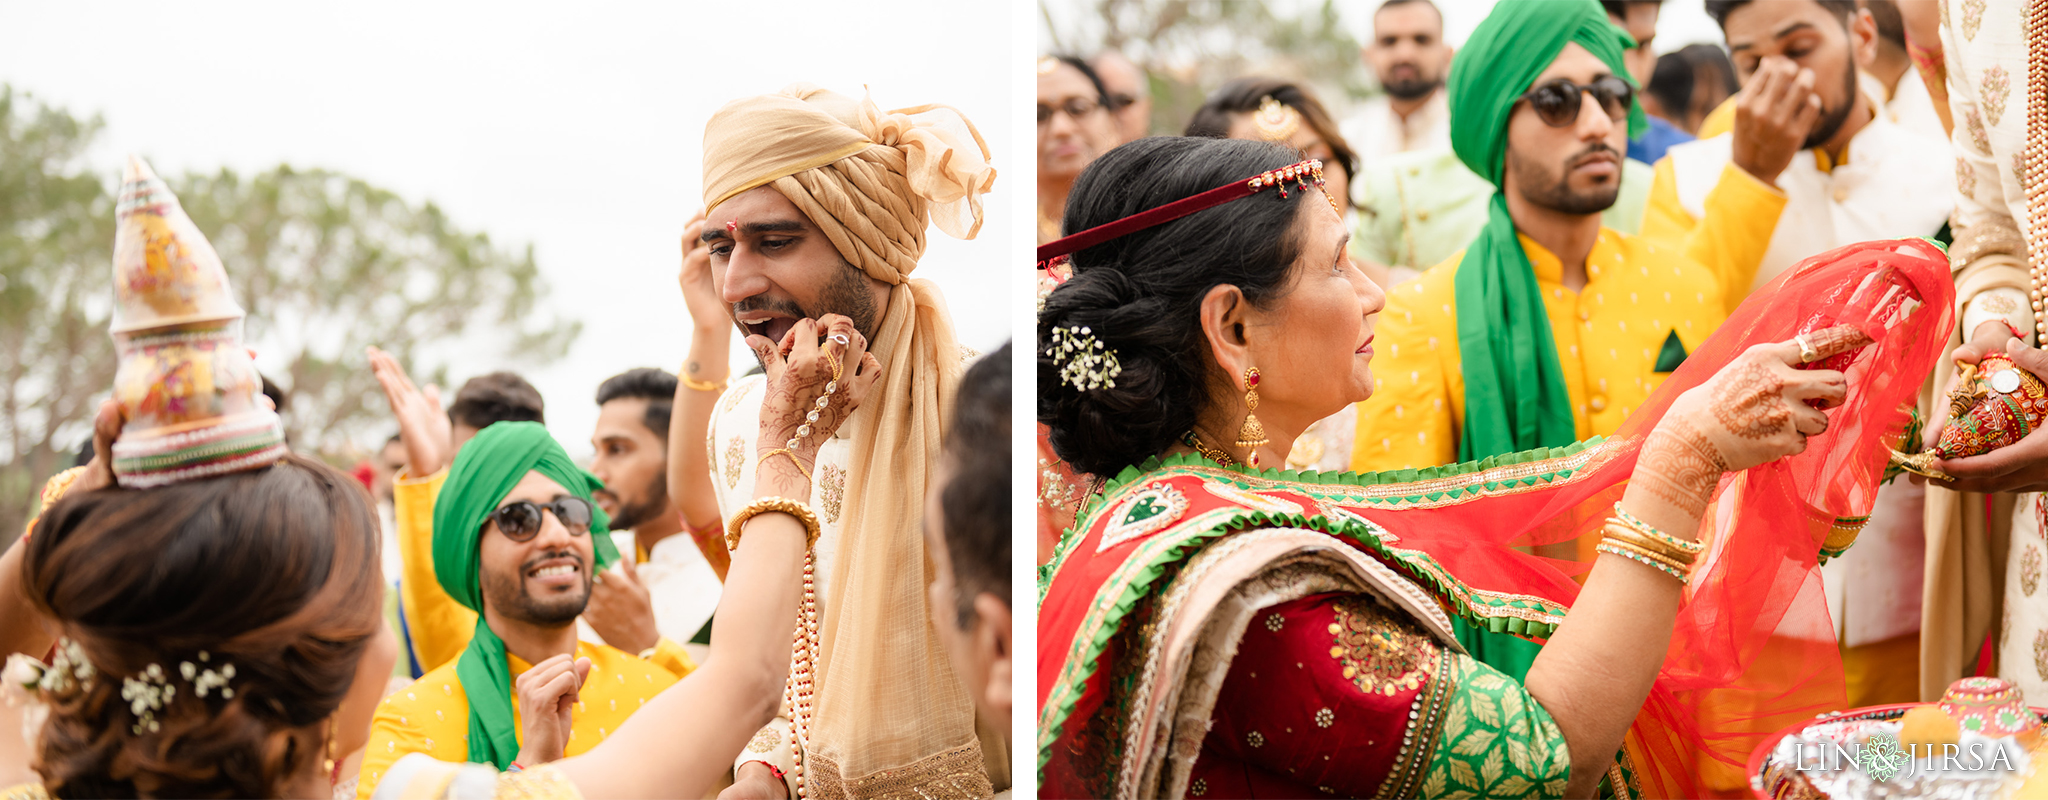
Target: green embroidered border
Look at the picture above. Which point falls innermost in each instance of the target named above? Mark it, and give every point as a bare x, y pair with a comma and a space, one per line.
1133, 579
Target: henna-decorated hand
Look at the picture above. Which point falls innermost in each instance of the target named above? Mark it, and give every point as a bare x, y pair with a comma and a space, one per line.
800, 369
1752, 412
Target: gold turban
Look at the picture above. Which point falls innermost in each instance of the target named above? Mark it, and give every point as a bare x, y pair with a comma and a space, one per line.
891, 717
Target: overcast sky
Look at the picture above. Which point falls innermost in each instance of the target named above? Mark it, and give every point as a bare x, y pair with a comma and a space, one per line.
574, 127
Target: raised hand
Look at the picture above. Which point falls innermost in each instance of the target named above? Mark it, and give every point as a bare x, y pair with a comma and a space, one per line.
1774, 112
707, 310
816, 355
422, 424
546, 695
620, 609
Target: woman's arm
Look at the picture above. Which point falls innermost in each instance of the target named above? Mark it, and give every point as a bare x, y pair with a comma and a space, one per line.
685, 738
689, 462
1595, 673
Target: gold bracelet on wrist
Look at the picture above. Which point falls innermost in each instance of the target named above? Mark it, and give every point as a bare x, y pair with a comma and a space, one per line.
1635, 523
765, 505
1637, 546
784, 451
1611, 547
701, 386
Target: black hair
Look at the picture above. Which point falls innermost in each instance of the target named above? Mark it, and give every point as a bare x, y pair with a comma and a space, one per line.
1140, 294
1094, 78
976, 500
1619, 8
1720, 9
655, 386
1891, 25
1243, 96
278, 396
497, 397
1393, 3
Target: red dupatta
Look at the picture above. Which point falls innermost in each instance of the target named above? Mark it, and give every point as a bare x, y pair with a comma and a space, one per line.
1753, 646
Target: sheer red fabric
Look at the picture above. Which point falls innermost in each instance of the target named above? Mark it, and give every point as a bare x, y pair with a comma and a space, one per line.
1753, 647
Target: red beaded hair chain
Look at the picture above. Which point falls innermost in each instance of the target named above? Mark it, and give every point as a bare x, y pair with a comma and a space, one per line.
1303, 174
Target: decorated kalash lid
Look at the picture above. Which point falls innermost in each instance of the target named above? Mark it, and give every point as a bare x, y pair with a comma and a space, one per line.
1989, 706
186, 384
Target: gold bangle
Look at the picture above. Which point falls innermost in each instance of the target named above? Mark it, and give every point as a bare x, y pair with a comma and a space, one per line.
765, 505
1613, 548
1618, 533
1646, 552
784, 451
701, 386
1636, 524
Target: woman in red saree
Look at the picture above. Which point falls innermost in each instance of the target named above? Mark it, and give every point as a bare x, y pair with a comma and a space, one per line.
1213, 629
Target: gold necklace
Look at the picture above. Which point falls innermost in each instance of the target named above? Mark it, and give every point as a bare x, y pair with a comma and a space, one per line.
1212, 453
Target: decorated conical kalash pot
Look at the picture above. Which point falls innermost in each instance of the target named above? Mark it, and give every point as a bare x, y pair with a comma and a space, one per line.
1994, 404
186, 384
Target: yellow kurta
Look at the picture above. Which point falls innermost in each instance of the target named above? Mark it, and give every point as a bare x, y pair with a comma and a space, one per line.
438, 626
1742, 216
432, 715
1608, 338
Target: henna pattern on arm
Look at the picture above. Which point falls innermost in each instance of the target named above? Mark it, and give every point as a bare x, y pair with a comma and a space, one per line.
1681, 467
1836, 340
1747, 402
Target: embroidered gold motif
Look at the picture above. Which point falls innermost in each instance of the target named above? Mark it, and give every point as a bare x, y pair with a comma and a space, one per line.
2041, 653
1255, 739
1992, 90
732, 398
1200, 787
956, 773
1255, 502
1143, 514
1966, 178
1380, 655
767, 739
2030, 570
1274, 622
1973, 18
1325, 718
735, 454
831, 490
1974, 122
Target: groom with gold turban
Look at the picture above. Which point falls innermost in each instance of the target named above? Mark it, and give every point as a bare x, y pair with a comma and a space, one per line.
817, 204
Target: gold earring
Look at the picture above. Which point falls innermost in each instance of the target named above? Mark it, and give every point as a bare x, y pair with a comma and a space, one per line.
1252, 435
333, 728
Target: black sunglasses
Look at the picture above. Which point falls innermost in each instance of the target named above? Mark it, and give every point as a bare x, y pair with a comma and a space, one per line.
1557, 102
520, 520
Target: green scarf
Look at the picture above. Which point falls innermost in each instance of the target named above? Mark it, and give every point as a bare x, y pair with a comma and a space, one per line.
484, 472
1515, 398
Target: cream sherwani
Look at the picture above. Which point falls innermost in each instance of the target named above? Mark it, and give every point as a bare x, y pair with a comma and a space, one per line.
1984, 575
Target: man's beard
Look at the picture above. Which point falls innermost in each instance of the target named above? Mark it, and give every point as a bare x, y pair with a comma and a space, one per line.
1414, 88
634, 515
510, 598
847, 295
1831, 121
1555, 192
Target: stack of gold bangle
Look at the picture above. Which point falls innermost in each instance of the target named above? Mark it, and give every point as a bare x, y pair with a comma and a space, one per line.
764, 505
1634, 539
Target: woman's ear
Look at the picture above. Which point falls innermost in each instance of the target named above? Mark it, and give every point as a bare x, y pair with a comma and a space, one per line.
1225, 316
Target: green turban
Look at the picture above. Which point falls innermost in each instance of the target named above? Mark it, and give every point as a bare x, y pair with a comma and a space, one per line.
484, 472
1515, 397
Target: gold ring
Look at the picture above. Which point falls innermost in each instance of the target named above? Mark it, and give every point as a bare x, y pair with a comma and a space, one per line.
1807, 354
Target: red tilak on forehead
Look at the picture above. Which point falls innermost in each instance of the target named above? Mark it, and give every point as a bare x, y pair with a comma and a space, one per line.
732, 226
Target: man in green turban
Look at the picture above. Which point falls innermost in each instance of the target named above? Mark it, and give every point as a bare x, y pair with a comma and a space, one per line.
1547, 328
517, 539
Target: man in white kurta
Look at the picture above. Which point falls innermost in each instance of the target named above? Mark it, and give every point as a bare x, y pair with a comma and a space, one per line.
1749, 219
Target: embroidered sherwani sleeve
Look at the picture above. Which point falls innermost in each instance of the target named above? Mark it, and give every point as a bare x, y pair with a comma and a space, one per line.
1989, 255
439, 626
1407, 422
1740, 215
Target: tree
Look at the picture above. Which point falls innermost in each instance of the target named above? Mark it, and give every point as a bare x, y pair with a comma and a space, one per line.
324, 264
1189, 47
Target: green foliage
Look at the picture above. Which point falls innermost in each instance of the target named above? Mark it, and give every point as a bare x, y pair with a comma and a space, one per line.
1189, 47
323, 263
